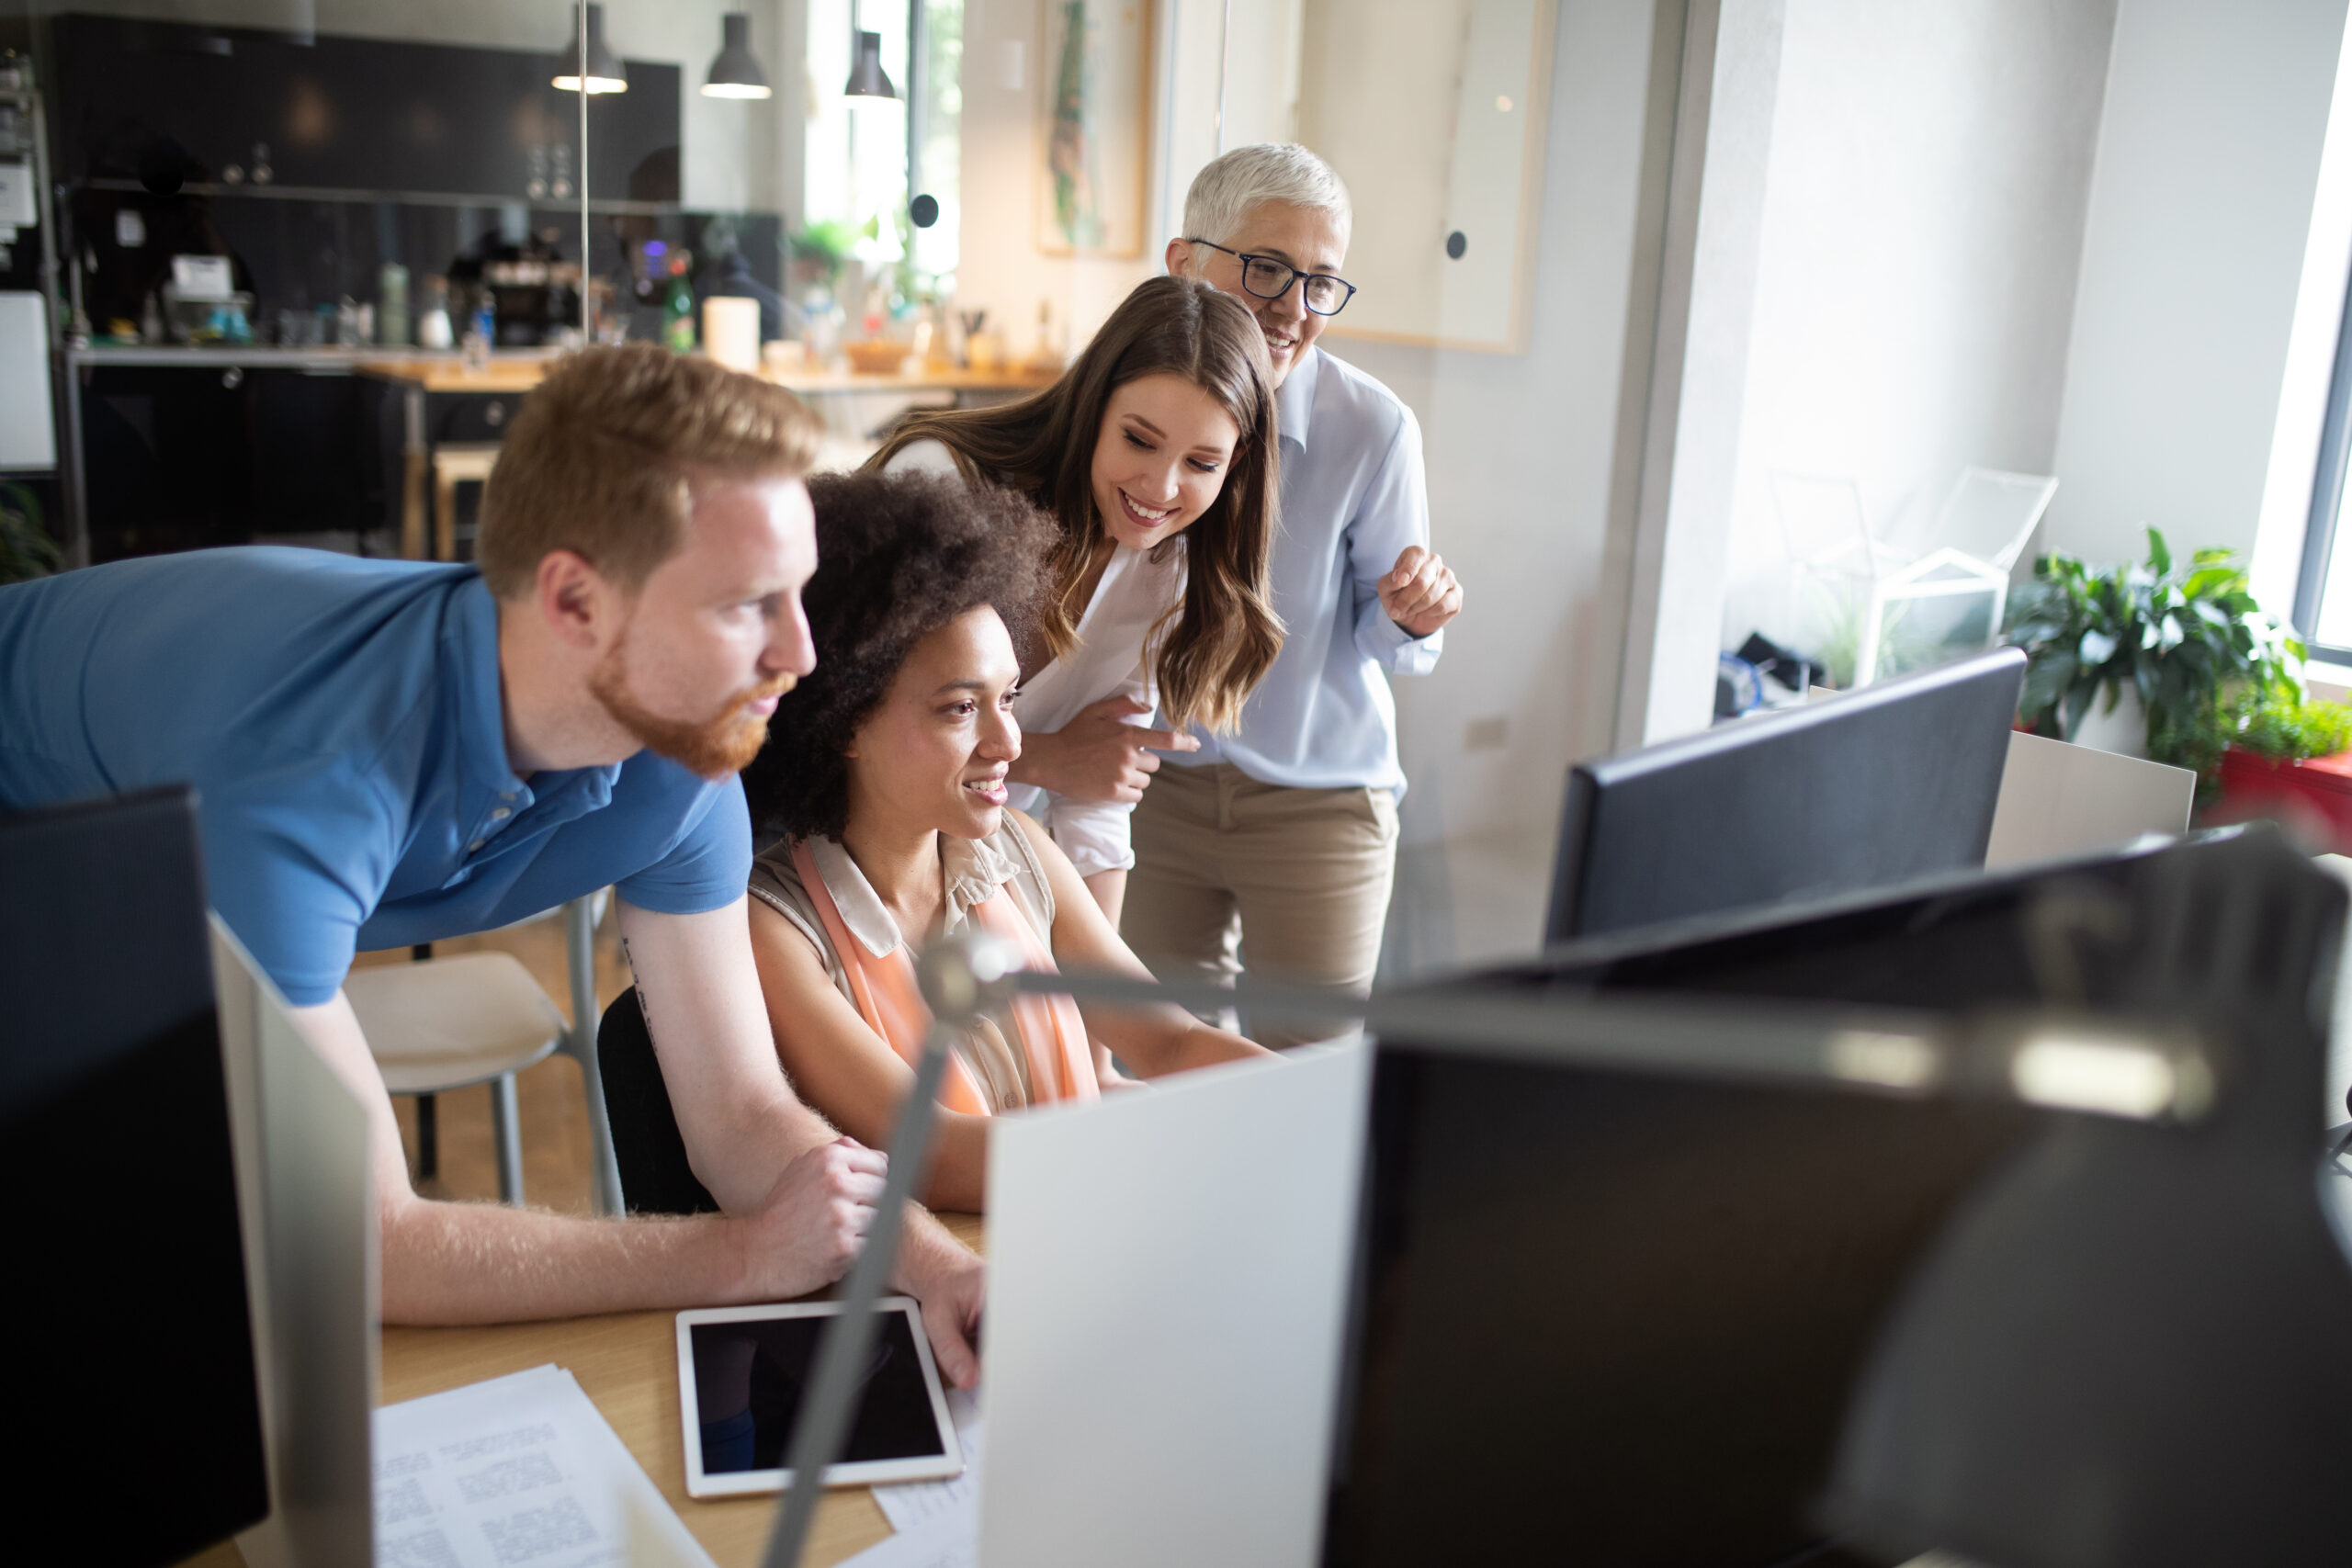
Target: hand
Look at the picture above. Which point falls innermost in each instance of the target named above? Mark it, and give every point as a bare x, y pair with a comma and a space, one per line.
951, 1283
1419, 592
1098, 755
805, 1234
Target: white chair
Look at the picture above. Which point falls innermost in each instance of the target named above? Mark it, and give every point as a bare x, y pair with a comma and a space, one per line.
446, 1024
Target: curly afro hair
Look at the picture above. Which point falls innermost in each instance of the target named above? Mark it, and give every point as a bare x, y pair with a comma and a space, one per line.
898, 556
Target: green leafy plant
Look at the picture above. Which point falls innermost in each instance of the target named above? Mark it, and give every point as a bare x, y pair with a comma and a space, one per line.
2204, 659
2290, 734
820, 249
26, 549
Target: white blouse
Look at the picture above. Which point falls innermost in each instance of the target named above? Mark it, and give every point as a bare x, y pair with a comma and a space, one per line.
1107, 659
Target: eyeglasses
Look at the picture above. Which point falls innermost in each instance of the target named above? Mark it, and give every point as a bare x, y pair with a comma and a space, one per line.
1271, 279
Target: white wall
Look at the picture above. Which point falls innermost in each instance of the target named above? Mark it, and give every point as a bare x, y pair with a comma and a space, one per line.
2201, 218
1723, 142
1916, 266
1522, 463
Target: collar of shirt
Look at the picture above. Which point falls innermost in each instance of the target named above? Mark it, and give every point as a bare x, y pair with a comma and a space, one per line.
1295, 398
498, 807
974, 869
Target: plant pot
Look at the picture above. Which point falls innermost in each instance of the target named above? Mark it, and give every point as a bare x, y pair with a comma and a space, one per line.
2124, 731
2310, 799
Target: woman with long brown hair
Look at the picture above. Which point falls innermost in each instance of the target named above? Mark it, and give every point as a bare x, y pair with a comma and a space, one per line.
1154, 455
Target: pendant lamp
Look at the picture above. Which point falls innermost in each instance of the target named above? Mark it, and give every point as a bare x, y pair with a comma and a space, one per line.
736, 72
866, 78
604, 72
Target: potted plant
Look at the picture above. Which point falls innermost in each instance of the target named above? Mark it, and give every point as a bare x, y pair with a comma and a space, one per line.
26, 549
2217, 680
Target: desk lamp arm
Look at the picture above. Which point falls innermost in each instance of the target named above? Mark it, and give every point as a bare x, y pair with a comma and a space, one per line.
959, 979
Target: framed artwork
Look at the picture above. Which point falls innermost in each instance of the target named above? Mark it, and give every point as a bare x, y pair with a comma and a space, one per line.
1095, 127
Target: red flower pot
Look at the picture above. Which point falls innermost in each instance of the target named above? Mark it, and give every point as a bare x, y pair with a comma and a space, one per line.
2312, 799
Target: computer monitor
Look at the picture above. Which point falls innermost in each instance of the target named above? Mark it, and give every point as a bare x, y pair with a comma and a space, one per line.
305, 1170
128, 1318
1865, 790
1608, 1316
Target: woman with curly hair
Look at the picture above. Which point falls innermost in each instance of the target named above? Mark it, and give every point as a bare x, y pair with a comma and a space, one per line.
886, 772
1155, 455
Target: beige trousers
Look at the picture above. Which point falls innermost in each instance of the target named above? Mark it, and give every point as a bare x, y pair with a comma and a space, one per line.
1294, 883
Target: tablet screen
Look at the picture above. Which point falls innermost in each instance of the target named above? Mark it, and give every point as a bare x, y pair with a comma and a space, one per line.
748, 1374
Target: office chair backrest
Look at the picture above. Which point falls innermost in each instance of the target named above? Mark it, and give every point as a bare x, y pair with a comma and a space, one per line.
656, 1177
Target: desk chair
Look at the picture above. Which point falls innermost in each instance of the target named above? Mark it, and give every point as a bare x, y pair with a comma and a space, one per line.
456, 463
443, 1023
655, 1176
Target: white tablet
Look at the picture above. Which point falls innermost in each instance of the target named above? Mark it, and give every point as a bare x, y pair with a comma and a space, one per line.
740, 1374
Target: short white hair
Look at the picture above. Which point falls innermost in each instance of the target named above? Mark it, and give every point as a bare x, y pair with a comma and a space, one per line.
1224, 192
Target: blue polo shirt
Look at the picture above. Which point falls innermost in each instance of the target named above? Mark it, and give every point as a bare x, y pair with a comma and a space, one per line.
343, 724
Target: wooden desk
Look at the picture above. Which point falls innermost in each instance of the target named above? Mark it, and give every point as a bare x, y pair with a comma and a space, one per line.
520, 374
627, 1364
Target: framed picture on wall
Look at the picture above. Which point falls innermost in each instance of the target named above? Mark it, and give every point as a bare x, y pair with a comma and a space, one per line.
1095, 127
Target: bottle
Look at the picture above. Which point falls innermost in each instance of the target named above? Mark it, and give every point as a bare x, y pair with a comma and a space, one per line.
432, 320
392, 304
482, 333
678, 308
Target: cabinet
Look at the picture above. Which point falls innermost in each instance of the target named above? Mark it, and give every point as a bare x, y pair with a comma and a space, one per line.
177, 457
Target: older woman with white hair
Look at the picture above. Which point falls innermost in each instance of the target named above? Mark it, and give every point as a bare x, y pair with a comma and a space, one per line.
1278, 838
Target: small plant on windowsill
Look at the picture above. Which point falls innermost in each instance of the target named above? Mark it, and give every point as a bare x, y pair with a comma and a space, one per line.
2210, 666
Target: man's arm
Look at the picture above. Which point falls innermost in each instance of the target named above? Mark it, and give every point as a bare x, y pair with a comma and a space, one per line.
1404, 594
700, 989
488, 1263
742, 1124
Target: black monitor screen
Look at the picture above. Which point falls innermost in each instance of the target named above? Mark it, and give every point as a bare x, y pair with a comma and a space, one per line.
1611, 1320
1871, 789
1610, 1317
126, 1304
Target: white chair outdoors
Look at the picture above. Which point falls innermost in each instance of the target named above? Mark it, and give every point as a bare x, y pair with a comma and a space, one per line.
1975, 543
445, 1024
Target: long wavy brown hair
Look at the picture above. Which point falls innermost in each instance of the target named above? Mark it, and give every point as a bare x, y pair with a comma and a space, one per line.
1210, 651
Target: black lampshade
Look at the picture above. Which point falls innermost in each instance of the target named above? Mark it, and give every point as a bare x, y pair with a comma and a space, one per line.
2134, 1348
866, 77
736, 72
604, 72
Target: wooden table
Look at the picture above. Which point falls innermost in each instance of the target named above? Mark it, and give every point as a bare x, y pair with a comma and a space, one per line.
627, 1364
424, 375
520, 373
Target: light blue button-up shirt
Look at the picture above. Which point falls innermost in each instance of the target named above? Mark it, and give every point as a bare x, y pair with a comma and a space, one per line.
1353, 497
343, 726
